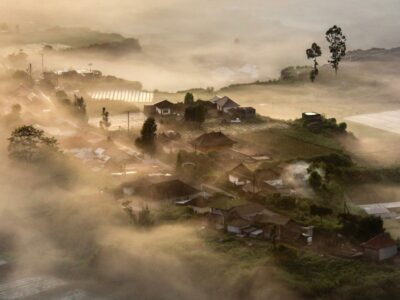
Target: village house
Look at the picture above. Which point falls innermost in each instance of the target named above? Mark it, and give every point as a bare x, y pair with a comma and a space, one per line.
135, 187
174, 191
247, 211
271, 224
270, 182
200, 205
237, 225
212, 141
240, 217
224, 104
216, 204
164, 108
242, 112
311, 117
240, 175
251, 188
254, 220
380, 247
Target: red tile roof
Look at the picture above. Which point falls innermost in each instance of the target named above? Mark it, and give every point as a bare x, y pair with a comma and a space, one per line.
380, 241
212, 139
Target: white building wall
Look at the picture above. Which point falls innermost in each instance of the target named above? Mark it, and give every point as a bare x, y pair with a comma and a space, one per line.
163, 111
233, 229
236, 181
388, 252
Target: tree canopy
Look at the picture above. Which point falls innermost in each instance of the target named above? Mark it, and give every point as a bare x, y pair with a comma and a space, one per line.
30, 144
195, 113
361, 227
80, 106
337, 46
148, 132
105, 120
189, 99
313, 53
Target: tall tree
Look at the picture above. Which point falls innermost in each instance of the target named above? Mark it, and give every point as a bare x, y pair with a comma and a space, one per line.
30, 144
313, 53
337, 46
105, 120
189, 99
148, 132
195, 113
80, 106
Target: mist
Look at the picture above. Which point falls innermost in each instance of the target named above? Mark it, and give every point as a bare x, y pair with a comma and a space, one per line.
187, 41
62, 220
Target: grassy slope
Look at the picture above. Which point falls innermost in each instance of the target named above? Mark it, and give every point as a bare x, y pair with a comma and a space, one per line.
314, 276
291, 143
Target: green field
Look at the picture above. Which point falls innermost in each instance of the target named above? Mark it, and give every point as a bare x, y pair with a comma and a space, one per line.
290, 143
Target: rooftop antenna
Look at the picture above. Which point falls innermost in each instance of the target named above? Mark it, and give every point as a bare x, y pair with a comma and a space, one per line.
42, 54
30, 70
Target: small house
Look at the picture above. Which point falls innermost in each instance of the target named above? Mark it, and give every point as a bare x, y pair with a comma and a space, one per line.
237, 225
311, 117
212, 141
240, 175
168, 136
246, 211
200, 205
251, 188
164, 108
243, 112
216, 204
135, 187
272, 223
225, 104
174, 191
380, 247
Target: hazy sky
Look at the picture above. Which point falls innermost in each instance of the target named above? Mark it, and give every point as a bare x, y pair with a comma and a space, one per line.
367, 22
189, 43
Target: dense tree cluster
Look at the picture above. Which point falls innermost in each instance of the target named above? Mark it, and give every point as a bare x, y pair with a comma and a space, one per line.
195, 113
320, 211
361, 227
148, 135
30, 144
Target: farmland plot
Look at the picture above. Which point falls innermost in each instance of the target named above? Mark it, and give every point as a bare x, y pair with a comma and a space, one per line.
387, 120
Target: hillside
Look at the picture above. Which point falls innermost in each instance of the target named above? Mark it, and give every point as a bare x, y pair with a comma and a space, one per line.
374, 54
72, 37
114, 48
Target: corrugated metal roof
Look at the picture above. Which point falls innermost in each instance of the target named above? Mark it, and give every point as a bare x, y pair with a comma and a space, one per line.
123, 95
